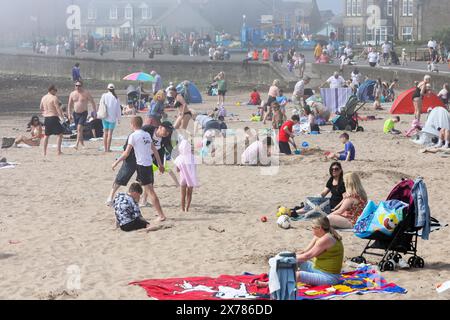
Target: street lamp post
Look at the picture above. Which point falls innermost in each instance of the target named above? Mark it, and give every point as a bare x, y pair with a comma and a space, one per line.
134, 33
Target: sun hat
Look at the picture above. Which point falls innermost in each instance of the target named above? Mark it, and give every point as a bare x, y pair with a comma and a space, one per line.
111, 86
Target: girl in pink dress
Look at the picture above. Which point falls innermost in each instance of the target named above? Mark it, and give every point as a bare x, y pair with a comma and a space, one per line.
187, 168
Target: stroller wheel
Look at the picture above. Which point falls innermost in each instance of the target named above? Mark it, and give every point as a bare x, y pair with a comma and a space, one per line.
386, 266
359, 260
395, 257
416, 262
360, 129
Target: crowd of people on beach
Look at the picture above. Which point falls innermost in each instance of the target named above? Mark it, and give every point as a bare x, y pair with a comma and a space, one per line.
155, 139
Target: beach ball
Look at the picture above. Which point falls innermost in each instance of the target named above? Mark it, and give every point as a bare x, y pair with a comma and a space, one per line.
284, 222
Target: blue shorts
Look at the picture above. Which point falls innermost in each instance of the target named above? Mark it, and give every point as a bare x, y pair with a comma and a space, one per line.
108, 125
314, 277
342, 156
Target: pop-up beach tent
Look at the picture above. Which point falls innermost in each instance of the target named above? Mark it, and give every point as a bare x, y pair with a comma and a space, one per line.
404, 103
366, 91
438, 118
194, 94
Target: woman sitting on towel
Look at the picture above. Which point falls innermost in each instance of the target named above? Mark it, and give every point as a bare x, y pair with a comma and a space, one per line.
351, 207
35, 128
335, 185
326, 251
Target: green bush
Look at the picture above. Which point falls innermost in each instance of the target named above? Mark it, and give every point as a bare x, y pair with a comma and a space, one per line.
443, 35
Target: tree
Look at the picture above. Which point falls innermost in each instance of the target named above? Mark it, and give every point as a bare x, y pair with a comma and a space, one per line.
443, 35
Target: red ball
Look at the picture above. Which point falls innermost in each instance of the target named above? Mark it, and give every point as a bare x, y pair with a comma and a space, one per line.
264, 219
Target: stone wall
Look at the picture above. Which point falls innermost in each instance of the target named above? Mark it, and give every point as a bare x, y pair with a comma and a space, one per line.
406, 78
202, 73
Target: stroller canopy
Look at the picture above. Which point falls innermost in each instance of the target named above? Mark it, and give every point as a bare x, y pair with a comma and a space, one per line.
404, 103
438, 118
366, 91
194, 94
132, 90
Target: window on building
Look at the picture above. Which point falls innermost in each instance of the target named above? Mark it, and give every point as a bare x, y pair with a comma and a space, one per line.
358, 7
92, 13
146, 12
390, 8
408, 8
113, 13
349, 8
354, 8
407, 33
128, 12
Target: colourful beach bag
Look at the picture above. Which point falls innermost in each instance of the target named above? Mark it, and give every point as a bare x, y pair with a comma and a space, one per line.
383, 218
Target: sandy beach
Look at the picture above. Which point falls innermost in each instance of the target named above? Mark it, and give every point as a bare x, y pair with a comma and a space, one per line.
53, 218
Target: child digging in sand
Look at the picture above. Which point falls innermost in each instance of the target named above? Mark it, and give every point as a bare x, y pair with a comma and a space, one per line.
389, 126
186, 166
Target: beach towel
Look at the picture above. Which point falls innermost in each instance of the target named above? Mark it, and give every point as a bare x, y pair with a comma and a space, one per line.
205, 288
7, 165
335, 99
362, 281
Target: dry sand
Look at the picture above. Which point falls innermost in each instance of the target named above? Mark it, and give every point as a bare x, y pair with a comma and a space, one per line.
53, 212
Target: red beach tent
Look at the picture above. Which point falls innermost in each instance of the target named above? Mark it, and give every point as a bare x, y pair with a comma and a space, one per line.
404, 103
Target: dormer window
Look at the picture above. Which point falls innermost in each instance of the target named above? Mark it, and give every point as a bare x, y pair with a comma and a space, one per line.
92, 13
146, 12
113, 13
128, 12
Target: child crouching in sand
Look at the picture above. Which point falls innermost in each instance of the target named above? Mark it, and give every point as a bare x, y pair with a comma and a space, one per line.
348, 154
187, 168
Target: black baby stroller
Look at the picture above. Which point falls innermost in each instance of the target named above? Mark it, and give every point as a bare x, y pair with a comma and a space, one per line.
405, 235
133, 96
348, 117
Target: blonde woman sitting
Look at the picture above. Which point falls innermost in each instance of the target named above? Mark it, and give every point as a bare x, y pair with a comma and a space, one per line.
348, 211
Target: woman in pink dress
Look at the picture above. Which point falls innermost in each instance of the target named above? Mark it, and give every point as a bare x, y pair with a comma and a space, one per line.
187, 168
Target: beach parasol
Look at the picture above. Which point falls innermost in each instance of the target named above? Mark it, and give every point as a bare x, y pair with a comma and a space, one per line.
140, 76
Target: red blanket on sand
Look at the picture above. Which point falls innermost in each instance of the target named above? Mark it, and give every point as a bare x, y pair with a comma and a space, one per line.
204, 288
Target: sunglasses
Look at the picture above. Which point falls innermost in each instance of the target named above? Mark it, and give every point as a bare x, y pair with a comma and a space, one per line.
78, 86
335, 169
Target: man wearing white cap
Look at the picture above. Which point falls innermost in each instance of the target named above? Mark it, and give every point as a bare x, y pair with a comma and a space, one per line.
157, 84
114, 113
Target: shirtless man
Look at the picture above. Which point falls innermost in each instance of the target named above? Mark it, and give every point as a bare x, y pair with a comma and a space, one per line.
53, 115
79, 101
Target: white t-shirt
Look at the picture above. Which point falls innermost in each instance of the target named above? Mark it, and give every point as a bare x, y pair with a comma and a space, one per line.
253, 153
299, 89
443, 94
386, 48
432, 44
348, 51
356, 78
336, 83
373, 57
157, 141
142, 145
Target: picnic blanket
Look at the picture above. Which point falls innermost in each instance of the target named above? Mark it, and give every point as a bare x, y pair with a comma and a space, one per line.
315, 207
335, 99
362, 281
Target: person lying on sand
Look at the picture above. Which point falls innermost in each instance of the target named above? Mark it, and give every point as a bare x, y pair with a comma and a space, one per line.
326, 251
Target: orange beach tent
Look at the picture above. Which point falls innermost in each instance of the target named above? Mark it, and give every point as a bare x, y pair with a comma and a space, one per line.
404, 103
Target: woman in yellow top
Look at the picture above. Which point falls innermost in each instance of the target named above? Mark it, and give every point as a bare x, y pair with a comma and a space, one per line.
327, 254
320, 264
